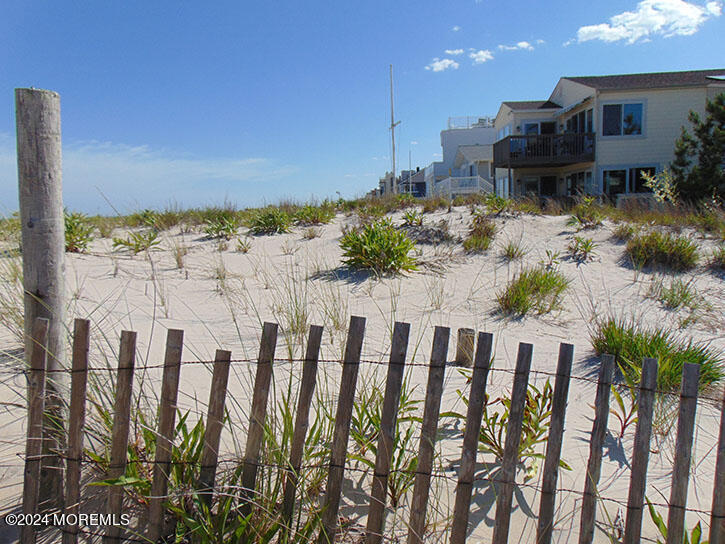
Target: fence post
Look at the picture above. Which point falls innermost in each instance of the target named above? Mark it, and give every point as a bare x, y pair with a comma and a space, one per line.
594, 465
717, 519
36, 405
476, 404
683, 452
343, 418
429, 429
165, 435
553, 445
121, 424
507, 471
255, 432
43, 242
304, 400
214, 425
640, 455
464, 347
388, 421
76, 420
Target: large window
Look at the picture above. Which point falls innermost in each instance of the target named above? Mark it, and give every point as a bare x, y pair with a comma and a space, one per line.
622, 119
581, 122
615, 182
578, 183
626, 180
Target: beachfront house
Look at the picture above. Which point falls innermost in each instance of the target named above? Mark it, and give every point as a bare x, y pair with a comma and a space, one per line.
472, 138
597, 134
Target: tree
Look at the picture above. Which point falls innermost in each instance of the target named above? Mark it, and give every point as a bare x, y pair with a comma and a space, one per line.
699, 165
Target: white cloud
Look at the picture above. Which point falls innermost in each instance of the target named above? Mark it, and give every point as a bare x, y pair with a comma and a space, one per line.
665, 18
133, 176
440, 65
481, 56
456, 28
526, 46
540, 42
454, 52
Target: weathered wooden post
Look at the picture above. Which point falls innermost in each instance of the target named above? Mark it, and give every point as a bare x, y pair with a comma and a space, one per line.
464, 347
43, 244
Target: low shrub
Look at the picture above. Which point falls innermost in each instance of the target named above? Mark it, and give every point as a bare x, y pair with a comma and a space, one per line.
434, 204
480, 234
412, 218
533, 289
271, 221
78, 232
630, 343
586, 215
378, 246
677, 253
623, 232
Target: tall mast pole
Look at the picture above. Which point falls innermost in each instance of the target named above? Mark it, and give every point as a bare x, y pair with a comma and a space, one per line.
393, 124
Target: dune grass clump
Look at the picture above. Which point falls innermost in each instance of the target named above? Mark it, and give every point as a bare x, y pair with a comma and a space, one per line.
433, 204
677, 253
630, 343
480, 234
271, 221
537, 289
582, 249
379, 247
136, 242
513, 251
309, 215
78, 232
586, 215
222, 227
623, 232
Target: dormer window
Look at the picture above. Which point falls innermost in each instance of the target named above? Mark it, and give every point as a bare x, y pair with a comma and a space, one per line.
622, 119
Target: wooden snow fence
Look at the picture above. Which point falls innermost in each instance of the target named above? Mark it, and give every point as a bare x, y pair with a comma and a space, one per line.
504, 480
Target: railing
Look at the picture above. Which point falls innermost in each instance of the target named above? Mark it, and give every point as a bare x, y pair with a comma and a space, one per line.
543, 150
470, 122
453, 186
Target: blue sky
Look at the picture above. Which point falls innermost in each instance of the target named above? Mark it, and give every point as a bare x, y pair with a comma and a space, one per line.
194, 102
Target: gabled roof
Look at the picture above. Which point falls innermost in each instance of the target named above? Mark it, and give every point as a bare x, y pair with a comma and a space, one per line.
533, 105
656, 80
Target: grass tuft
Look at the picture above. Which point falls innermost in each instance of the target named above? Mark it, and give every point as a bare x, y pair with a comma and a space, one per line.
536, 289
271, 221
677, 253
380, 247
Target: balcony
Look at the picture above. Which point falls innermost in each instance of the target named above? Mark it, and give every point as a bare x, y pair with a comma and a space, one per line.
455, 186
537, 150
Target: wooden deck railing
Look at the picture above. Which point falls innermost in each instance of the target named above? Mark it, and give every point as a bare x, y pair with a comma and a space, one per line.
536, 150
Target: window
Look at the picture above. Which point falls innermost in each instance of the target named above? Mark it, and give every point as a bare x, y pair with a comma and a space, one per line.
531, 128
531, 186
615, 182
575, 183
636, 181
622, 119
581, 122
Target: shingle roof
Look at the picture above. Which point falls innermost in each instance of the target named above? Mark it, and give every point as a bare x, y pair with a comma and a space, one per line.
656, 80
533, 105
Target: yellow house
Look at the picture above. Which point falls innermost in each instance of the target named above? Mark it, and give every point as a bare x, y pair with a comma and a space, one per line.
597, 134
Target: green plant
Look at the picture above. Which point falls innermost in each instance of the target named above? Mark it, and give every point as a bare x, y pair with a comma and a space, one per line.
78, 232
497, 204
315, 215
672, 252
380, 247
480, 234
138, 241
694, 537
433, 204
630, 343
244, 245
222, 227
623, 232
626, 403
271, 221
513, 251
533, 289
662, 186
552, 259
582, 249
311, 233
678, 294
412, 218
534, 431
365, 431
586, 215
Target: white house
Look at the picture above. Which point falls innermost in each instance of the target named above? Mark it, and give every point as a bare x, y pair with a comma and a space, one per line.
597, 134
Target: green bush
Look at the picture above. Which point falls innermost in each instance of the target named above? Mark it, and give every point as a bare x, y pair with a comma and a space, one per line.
630, 343
586, 215
676, 253
271, 221
378, 246
78, 232
533, 289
